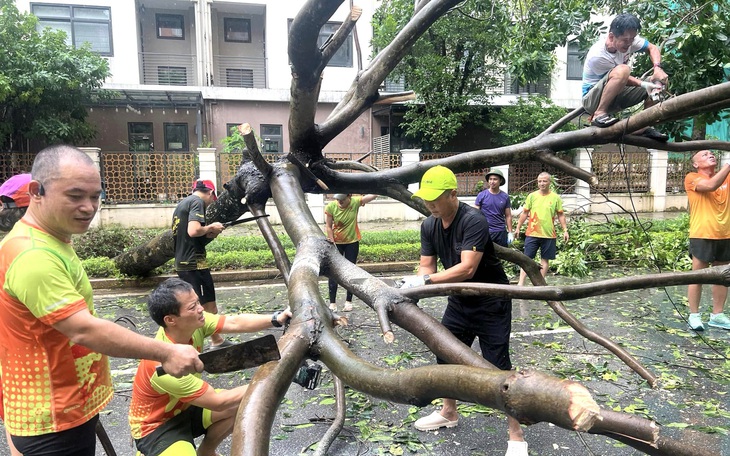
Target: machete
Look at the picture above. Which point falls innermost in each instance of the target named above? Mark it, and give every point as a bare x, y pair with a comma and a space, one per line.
244, 220
240, 356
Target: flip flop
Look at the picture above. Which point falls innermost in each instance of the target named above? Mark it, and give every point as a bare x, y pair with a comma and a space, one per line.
604, 121
434, 421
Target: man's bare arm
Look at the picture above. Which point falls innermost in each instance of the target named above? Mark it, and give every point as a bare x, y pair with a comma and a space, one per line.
111, 339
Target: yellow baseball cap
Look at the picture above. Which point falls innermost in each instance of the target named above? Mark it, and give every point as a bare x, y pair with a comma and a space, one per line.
434, 182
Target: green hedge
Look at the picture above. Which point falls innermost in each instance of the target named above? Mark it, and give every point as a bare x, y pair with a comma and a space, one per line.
621, 242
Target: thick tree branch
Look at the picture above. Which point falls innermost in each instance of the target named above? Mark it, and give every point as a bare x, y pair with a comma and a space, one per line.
255, 416
718, 275
530, 397
364, 90
562, 121
341, 411
273, 241
333, 44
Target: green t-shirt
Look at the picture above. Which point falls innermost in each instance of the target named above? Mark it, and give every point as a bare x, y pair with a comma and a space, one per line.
344, 221
543, 209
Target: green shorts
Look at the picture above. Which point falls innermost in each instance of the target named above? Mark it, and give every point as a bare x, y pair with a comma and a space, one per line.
628, 97
177, 436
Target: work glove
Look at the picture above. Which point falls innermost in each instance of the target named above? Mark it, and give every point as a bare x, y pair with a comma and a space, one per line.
510, 238
413, 281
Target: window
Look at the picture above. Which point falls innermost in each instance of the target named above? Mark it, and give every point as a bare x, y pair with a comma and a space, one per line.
237, 30
82, 24
170, 26
231, 126
343, 56
574, 69
176, 137
271, 136
140, 136
236, 77
169, 75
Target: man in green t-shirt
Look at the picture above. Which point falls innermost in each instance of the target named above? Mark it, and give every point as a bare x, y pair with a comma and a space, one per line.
541, 207
342, 229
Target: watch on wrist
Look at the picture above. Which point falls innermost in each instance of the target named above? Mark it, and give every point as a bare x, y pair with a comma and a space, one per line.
427, 279
275, 319
658, 65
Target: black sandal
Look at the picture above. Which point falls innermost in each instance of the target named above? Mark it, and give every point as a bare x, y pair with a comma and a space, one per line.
604, 121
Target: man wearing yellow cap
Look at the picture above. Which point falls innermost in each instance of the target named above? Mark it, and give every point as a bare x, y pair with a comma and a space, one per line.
458, 235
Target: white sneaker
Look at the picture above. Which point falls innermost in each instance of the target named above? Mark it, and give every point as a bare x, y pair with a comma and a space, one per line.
695, 322
515, 448
333, 307
348, 306
719, 321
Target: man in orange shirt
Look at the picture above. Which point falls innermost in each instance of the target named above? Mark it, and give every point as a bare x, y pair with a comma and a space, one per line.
709, 233
54, 350
166, 413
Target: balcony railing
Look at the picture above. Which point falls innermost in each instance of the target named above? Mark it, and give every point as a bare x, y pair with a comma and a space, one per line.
244, 72
168, 69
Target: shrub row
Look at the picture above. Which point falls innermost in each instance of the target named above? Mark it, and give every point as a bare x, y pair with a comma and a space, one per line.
621, 242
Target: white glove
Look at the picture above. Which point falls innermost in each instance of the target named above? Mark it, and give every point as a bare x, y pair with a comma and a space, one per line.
649, 86
510, 238
413, 281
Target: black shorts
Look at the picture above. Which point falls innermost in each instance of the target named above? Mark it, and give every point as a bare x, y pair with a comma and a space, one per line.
202, 283
710, 250
548, 247
184, 427
78, 441
490, 321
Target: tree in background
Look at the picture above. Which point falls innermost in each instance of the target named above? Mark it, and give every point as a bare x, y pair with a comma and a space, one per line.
464, 55
44, 83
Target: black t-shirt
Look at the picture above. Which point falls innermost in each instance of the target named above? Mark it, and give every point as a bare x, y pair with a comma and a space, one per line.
189, 251
468, 231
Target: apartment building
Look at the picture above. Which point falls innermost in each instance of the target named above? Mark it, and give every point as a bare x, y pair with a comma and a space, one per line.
183, 72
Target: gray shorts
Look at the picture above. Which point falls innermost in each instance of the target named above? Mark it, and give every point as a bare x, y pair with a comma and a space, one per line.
628, 97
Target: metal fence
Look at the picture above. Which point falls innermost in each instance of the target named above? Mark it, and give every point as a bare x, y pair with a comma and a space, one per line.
678, 165
523, 177
12, 163
153, 177
621, 172
467, 181
228, 163
147, 177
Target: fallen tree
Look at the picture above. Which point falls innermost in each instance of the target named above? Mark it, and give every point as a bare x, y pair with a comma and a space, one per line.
530, 397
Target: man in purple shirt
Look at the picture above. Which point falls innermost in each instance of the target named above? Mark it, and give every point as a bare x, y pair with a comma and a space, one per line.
494, 204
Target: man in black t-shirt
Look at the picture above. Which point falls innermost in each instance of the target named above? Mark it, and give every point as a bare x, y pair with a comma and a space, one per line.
191, 235
458, 235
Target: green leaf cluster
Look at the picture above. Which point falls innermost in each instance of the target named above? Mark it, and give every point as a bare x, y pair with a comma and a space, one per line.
639, 244
524, 119
45, 84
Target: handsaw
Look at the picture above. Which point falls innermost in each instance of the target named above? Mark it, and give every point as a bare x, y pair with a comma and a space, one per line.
240, 356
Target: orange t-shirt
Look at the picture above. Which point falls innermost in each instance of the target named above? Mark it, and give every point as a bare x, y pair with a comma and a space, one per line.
709, 215
49, 383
